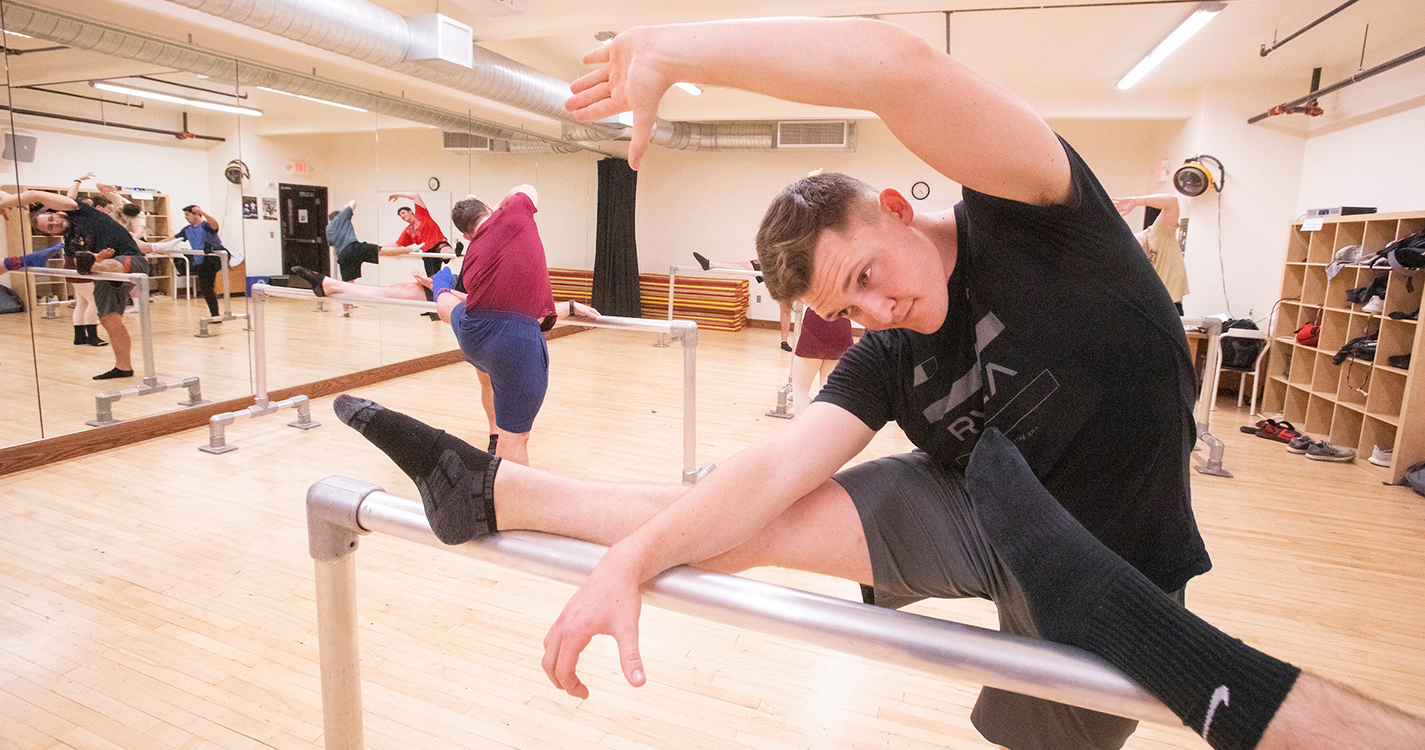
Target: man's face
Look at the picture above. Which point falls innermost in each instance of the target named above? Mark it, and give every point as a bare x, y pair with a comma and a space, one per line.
407, 215
881, 274
192, 218
52, 222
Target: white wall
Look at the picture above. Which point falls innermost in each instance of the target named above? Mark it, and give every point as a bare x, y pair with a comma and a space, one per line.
1379, 163
368, 166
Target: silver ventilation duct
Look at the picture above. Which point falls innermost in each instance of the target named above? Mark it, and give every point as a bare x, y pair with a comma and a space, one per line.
369, 33
127, 45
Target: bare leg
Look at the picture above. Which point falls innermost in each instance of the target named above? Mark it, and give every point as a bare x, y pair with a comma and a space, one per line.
513, 447
1320, 714
785, 321
487, 398
402, 290
468, 493
119, 337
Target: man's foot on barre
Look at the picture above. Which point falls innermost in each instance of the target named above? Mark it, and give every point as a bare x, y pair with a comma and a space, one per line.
312, 278
84, 261
704, 262
456, 480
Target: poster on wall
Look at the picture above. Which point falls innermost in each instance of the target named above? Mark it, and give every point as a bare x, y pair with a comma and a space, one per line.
269, 209
249, 207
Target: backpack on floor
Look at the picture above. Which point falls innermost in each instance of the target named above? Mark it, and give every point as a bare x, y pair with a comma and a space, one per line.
10, 301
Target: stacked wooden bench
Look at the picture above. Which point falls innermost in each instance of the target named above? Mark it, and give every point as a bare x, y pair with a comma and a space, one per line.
715, 304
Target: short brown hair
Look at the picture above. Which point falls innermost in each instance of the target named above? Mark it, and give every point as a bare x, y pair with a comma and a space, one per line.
794, 222
465, 214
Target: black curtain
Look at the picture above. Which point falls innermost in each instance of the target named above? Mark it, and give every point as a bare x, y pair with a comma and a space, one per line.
615, 252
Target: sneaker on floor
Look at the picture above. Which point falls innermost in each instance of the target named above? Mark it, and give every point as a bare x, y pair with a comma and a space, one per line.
1324, 451
1299, 444
1381, 457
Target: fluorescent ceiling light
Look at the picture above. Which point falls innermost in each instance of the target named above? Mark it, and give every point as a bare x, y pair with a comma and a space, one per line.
18, 34
688, 87
1194, 22
314, 99
146, 94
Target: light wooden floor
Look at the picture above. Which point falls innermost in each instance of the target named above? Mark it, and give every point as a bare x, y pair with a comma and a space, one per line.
159, 597
303, 346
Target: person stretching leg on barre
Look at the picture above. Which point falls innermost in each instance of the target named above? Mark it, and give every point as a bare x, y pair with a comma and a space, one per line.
990, 316
100, 244
785, 313
499, 307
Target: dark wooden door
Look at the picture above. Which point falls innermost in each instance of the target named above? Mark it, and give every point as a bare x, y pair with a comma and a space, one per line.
303, 219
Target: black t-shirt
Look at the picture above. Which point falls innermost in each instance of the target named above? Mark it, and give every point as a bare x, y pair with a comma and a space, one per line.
93, 230
1062, 336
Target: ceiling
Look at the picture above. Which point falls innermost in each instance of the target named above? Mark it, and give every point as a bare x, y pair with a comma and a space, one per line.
1054, 52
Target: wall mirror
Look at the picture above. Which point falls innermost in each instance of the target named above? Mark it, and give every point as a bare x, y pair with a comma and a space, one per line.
127, 91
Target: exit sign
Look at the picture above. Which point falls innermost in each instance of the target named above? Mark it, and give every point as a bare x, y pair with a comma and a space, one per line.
300, 167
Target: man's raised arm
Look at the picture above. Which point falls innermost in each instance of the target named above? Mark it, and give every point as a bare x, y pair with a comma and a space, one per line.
964, 126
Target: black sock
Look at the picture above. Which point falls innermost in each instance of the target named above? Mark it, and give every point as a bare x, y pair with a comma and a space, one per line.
1080, 593
93, 336
494, 443
455, 479
81, 335
115, 373
84, 261
312, 278
702, 261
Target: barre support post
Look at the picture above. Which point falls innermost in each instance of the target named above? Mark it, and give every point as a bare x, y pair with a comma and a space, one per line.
332, 539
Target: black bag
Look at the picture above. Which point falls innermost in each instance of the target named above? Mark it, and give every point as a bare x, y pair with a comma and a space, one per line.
1415, 478
10, 301
1240, 353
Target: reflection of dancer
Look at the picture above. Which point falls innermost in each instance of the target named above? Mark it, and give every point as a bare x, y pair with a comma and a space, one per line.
498, 307
421, 230
785, 308
351, 252
201, 233
98, 243
86, 315
1160, 241
820, 344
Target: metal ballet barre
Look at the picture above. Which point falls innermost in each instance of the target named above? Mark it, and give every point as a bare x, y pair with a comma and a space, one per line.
673, 277
103, 402
684, 330
340, 510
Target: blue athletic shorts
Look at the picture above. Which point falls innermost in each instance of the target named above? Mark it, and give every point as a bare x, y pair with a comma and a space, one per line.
509, 347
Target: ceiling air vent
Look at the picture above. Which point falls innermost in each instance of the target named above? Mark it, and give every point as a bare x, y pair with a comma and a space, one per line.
464, 142
817, 134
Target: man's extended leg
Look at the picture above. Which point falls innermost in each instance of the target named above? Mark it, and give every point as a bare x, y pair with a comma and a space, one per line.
323, 285
1081, 593
466, 490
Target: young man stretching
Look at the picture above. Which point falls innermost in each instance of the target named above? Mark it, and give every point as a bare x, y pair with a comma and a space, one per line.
1007, 314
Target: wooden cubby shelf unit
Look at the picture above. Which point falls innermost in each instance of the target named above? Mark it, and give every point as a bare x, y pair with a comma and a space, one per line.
1359, 403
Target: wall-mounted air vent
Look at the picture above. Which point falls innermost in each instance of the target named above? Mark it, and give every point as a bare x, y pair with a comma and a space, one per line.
464, 142
817, 134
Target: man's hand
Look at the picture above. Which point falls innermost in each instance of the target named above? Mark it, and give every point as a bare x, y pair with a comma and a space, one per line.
104, 254
87, 176
626, 79
607, 604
